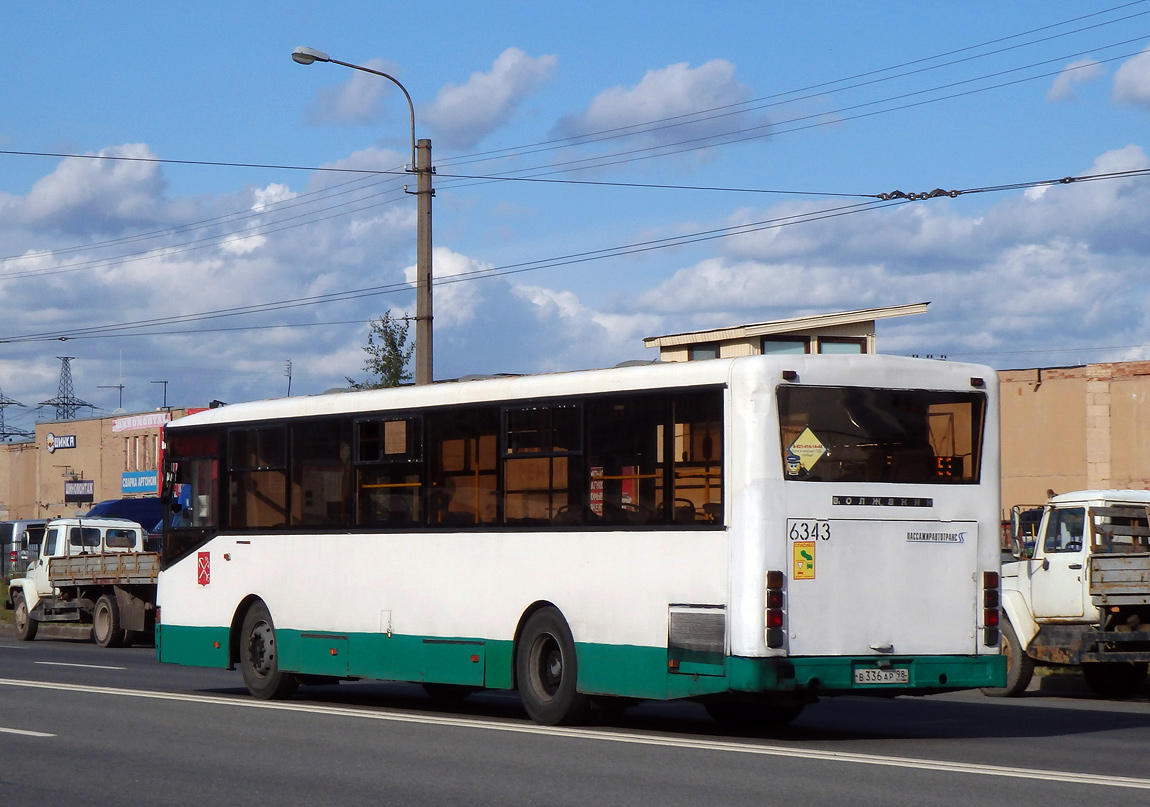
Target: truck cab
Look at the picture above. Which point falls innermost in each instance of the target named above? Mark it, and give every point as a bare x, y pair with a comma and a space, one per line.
1080, 596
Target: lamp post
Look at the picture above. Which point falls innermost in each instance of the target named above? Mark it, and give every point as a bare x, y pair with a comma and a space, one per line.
421, 167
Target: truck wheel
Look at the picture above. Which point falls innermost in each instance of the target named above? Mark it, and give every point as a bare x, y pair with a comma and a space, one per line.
259, 657
1114, 679
106, 628
1019, 666
547, 671
26, 626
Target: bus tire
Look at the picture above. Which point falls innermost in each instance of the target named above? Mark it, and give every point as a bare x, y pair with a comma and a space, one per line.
1114, 679
1019, 666
547, 671
106, 628
259, 657
25, 625
752, 715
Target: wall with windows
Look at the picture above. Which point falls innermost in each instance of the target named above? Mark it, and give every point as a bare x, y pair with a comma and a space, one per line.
99, 450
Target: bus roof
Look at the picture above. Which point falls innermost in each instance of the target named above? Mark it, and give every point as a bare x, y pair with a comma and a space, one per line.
897, 372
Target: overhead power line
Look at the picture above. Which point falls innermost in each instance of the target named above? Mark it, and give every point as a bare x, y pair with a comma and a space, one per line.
877, 201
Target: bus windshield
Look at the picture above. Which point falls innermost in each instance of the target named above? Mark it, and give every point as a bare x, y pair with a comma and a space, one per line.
857, 434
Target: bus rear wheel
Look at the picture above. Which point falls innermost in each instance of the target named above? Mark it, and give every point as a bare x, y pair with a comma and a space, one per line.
547, 671
106, 628
259, 657
26, 626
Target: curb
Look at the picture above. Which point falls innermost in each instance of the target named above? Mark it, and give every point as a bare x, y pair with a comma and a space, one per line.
50, 631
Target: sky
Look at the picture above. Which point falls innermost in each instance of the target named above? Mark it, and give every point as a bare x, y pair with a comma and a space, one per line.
604, 172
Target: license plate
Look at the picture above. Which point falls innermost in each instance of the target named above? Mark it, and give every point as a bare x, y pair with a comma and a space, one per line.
871, 675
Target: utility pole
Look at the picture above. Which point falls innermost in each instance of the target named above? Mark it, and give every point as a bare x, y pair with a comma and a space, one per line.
423, 171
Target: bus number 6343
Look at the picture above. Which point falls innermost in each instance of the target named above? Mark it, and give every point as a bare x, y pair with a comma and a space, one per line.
805, 529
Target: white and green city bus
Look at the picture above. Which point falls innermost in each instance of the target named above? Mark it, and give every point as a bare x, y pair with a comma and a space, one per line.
753, 533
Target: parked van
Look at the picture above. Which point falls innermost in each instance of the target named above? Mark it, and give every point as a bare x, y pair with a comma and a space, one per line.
20, 543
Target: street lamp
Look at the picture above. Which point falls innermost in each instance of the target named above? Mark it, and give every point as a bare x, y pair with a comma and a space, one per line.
421, 167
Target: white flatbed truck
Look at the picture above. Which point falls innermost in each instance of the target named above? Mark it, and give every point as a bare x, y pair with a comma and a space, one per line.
1079, 595
89, 571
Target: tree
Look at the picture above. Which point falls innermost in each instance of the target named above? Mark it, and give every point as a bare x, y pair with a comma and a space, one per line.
387, 352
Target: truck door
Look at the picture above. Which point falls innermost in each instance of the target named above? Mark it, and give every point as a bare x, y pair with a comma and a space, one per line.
52, 546
1058, 573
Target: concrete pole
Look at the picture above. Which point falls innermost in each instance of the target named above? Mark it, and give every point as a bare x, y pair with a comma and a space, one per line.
423, 338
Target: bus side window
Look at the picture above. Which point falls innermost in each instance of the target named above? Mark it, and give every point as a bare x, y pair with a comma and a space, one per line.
258, 478
463, 451
626, 460
542, 465
321, 474
698, 458
388, 473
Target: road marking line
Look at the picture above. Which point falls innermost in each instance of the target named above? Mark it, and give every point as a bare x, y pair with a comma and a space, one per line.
1066, 777
25, 732
85, 666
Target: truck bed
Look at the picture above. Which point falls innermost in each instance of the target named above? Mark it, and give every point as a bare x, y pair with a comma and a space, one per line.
118, 568
1120, 579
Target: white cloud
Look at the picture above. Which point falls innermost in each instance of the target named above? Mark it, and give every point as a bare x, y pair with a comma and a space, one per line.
672, 95
1064, 268
462, 115
1132, 81
357, 100
91, 196
1082, 71
454, 304
573, 335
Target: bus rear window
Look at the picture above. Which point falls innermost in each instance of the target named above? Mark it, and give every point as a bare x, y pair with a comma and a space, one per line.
856, 434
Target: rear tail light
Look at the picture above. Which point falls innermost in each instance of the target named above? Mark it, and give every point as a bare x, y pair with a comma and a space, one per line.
991, 603
776, 615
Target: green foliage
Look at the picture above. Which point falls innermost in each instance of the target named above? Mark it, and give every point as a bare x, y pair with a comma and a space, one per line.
388, 353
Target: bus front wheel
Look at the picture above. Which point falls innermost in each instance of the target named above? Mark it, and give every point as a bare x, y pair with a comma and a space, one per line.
547, 671
259, 657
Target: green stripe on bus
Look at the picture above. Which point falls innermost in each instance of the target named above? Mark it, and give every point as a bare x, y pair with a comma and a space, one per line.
192, 647
624, 670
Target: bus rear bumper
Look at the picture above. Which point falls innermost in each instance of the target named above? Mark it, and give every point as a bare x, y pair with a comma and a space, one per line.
909, 675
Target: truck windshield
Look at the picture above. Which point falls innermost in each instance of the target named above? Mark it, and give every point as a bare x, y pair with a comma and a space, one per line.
858, 434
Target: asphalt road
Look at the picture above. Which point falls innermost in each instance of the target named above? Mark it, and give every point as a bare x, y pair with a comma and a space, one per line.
81, 725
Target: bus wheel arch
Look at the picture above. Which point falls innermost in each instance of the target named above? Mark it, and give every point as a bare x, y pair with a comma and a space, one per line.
547, 668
